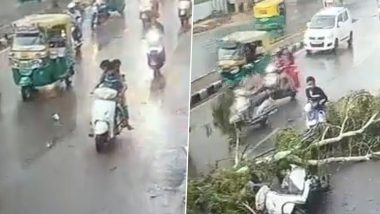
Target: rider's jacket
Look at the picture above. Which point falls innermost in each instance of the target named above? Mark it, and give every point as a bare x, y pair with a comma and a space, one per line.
112, 80
316, 94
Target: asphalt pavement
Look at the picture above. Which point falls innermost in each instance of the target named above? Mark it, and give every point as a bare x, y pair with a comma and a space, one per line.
204, 51
337, 75
52, 167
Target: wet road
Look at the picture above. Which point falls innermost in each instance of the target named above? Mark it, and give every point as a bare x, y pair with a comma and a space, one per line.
337, 75
143, 173
11, 10
205, 46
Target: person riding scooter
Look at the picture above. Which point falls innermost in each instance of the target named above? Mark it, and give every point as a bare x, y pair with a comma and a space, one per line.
117, 64
112, 79
315, 94
184, 11
74, 12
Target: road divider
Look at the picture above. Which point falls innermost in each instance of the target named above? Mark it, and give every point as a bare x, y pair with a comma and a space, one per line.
202, 95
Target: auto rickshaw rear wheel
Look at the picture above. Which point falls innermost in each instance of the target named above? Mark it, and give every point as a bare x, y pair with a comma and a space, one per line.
26, 93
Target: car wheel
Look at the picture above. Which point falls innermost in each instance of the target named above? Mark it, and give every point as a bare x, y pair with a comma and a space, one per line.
350, 40
336, 45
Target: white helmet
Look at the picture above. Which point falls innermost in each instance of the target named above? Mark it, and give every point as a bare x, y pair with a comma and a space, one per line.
71, 5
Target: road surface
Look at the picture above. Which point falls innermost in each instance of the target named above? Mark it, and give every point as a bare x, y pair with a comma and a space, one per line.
337, 75
205, 45
143, 173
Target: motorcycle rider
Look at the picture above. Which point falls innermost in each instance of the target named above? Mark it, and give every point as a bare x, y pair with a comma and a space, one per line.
116, 65
315, 94
74, 12
112, 79
184, 4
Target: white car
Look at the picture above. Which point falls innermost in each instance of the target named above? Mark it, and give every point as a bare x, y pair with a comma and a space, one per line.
328, 29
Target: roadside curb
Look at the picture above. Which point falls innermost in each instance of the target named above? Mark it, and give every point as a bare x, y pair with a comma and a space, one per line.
213, 88
205, 93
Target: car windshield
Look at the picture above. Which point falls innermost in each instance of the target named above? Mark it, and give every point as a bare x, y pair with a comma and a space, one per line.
28, 39
228, 53
322, 22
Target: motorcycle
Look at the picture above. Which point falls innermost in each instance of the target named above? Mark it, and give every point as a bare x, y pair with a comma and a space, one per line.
184, 10
298, 194
100, 15
77, 35
145, 17
106, 123
271, 81
252, 110
156, 51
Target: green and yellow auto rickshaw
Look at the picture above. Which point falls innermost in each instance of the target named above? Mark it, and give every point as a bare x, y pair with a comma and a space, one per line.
270, 15
243, 53
41, 52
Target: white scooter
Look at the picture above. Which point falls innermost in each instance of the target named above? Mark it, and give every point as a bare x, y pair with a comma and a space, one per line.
155, 50
251, 110
314, 117
184, 12
298, 193
106, 124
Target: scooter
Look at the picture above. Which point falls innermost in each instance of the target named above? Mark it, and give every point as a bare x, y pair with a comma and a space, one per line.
314, 117
184, 10
297, 195
106, 123
251, 110
77, 38
271, 81
145, 17
155, 51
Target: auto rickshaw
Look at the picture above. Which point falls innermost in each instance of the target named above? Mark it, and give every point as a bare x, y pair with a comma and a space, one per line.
243, 53
270, 15
41, 52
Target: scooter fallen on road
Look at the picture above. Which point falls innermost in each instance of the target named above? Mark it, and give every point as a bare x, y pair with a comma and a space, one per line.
298, 193
106, 122
251, 110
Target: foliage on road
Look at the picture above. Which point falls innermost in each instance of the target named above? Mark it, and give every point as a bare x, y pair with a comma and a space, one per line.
350, 134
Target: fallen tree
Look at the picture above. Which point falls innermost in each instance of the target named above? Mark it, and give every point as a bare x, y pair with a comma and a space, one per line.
351, 134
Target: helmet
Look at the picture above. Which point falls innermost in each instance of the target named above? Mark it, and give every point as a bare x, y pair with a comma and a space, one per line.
71, 5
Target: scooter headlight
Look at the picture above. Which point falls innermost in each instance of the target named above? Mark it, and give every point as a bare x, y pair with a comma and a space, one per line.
153, 36
182, 12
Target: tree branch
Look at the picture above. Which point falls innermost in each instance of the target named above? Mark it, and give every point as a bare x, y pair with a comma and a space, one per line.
246, 205
348, 134
343, 159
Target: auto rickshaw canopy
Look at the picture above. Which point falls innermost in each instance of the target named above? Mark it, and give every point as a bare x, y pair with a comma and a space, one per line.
48, 23
267, 8
246, 37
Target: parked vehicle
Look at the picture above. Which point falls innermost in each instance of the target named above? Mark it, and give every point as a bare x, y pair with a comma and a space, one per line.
327, 29
41, 52
270, 15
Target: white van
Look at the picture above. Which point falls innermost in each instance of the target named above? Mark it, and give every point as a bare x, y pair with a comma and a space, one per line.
328, 29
